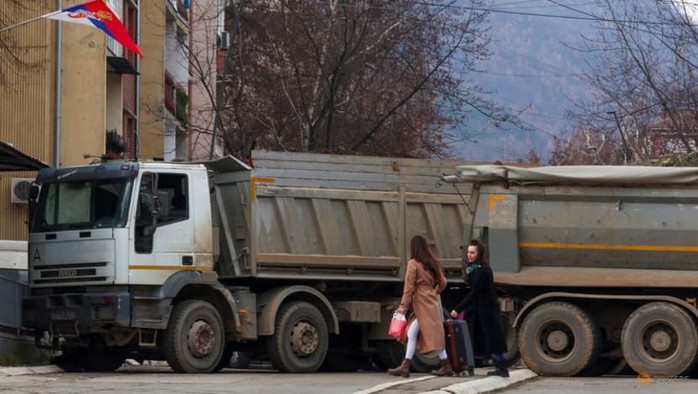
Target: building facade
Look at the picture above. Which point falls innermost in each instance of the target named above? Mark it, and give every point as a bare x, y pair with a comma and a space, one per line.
71, 84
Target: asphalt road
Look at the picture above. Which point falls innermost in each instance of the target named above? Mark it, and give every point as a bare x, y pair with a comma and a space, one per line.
160, 379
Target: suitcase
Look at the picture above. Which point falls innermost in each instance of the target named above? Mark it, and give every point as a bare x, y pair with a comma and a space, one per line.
459, 347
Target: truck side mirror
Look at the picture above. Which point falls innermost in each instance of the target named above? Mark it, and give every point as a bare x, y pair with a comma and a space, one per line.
34, 192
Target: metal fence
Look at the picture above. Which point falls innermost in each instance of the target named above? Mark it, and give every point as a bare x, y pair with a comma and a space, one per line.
13, 284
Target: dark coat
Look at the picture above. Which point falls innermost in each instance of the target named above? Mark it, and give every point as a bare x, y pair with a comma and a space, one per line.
481, 307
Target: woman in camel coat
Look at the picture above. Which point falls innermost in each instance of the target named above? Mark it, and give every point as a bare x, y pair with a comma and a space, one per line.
424, 281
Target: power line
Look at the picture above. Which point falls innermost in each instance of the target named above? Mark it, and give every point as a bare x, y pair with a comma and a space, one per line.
527, 75
592, 17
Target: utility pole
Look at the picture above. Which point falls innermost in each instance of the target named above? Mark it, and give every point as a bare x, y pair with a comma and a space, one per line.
627, 154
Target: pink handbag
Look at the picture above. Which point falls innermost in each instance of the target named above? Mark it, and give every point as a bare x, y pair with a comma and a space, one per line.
398, 325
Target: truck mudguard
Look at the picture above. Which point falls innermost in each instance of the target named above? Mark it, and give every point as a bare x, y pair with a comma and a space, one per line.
270, 302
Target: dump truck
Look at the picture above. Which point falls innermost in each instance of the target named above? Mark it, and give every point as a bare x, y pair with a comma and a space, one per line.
297, 259
597, 265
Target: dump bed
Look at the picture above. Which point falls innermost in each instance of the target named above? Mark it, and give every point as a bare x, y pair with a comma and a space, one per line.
588, 226
316, 216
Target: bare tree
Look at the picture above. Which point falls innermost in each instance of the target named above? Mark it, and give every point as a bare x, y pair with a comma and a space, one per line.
11, 61
642, 70
381, 77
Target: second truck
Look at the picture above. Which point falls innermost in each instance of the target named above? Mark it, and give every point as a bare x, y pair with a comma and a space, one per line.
598, 264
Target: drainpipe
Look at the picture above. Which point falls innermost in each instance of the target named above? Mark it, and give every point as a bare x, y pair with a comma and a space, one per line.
137, 131
57, 99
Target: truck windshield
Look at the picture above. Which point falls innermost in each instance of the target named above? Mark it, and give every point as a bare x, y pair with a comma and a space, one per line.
82, 205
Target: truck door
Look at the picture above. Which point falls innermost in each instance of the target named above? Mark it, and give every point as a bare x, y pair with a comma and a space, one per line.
163, 229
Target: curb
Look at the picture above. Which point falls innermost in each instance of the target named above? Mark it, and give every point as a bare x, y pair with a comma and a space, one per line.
487, 384
40, 369
387, 385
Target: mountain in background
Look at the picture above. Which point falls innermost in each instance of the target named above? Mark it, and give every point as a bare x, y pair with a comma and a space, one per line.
533, 68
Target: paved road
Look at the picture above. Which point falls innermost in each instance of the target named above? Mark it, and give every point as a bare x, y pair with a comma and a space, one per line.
154, 379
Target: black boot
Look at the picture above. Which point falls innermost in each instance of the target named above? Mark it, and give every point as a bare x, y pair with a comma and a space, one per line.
500, 370
470, 371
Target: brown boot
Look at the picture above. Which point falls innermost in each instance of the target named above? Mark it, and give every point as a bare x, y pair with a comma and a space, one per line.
445, 369
402, 370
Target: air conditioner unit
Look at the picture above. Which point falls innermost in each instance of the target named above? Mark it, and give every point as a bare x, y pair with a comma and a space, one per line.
20, 190
223, 40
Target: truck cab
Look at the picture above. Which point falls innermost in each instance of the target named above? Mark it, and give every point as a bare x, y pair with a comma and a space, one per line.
110, 246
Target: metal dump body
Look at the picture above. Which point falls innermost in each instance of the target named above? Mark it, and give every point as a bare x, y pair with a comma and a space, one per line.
588, 225
316, 216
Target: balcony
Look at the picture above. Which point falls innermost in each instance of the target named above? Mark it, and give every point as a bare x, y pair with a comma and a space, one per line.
170, 94
176, 100
179, 11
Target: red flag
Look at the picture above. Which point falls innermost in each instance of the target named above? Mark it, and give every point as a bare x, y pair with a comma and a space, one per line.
97, 14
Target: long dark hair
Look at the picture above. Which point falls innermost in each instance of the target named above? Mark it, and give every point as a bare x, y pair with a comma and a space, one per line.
481, 250
420, 251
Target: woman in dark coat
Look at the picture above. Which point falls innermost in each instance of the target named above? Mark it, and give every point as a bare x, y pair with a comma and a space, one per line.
481, 306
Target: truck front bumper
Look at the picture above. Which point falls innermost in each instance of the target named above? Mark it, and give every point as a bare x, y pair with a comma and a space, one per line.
74, 313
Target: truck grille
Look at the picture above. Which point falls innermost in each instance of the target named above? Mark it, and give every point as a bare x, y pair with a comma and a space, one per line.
70, 273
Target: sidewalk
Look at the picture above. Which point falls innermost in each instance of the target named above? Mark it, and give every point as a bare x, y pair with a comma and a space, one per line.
478, 384
38, 369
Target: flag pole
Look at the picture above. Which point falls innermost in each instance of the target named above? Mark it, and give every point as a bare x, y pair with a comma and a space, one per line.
30, 20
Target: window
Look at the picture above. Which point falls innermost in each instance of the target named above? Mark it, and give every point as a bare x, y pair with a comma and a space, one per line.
174, 200
157, 207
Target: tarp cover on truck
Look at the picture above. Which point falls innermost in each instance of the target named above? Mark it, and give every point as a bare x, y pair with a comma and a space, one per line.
595, 175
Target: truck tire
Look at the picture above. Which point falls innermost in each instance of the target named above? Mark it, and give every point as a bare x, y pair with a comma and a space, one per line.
240, 360
300, 339
226, 357
194, 338
660, 339
425, 364
90, 360
559, 339
104, 361
390, 353
512, 356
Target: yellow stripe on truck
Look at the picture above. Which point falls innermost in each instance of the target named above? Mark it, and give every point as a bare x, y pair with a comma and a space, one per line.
169, 268
646, 248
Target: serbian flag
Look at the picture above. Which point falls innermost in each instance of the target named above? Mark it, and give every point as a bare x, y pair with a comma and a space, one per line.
98, 14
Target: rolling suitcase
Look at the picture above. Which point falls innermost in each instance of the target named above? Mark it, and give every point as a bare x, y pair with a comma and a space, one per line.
459, 347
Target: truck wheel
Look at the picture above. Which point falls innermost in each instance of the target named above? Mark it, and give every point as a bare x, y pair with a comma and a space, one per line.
660, 339
90, 360
225, 357
425, 364
70, 360
559, 339
104, 361
512, 356
300, 339
194, 338
240, 360
390, 353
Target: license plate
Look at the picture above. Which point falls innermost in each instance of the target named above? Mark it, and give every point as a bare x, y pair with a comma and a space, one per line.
63, 314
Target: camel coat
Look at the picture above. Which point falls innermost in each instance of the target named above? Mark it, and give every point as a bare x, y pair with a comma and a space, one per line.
421, 294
